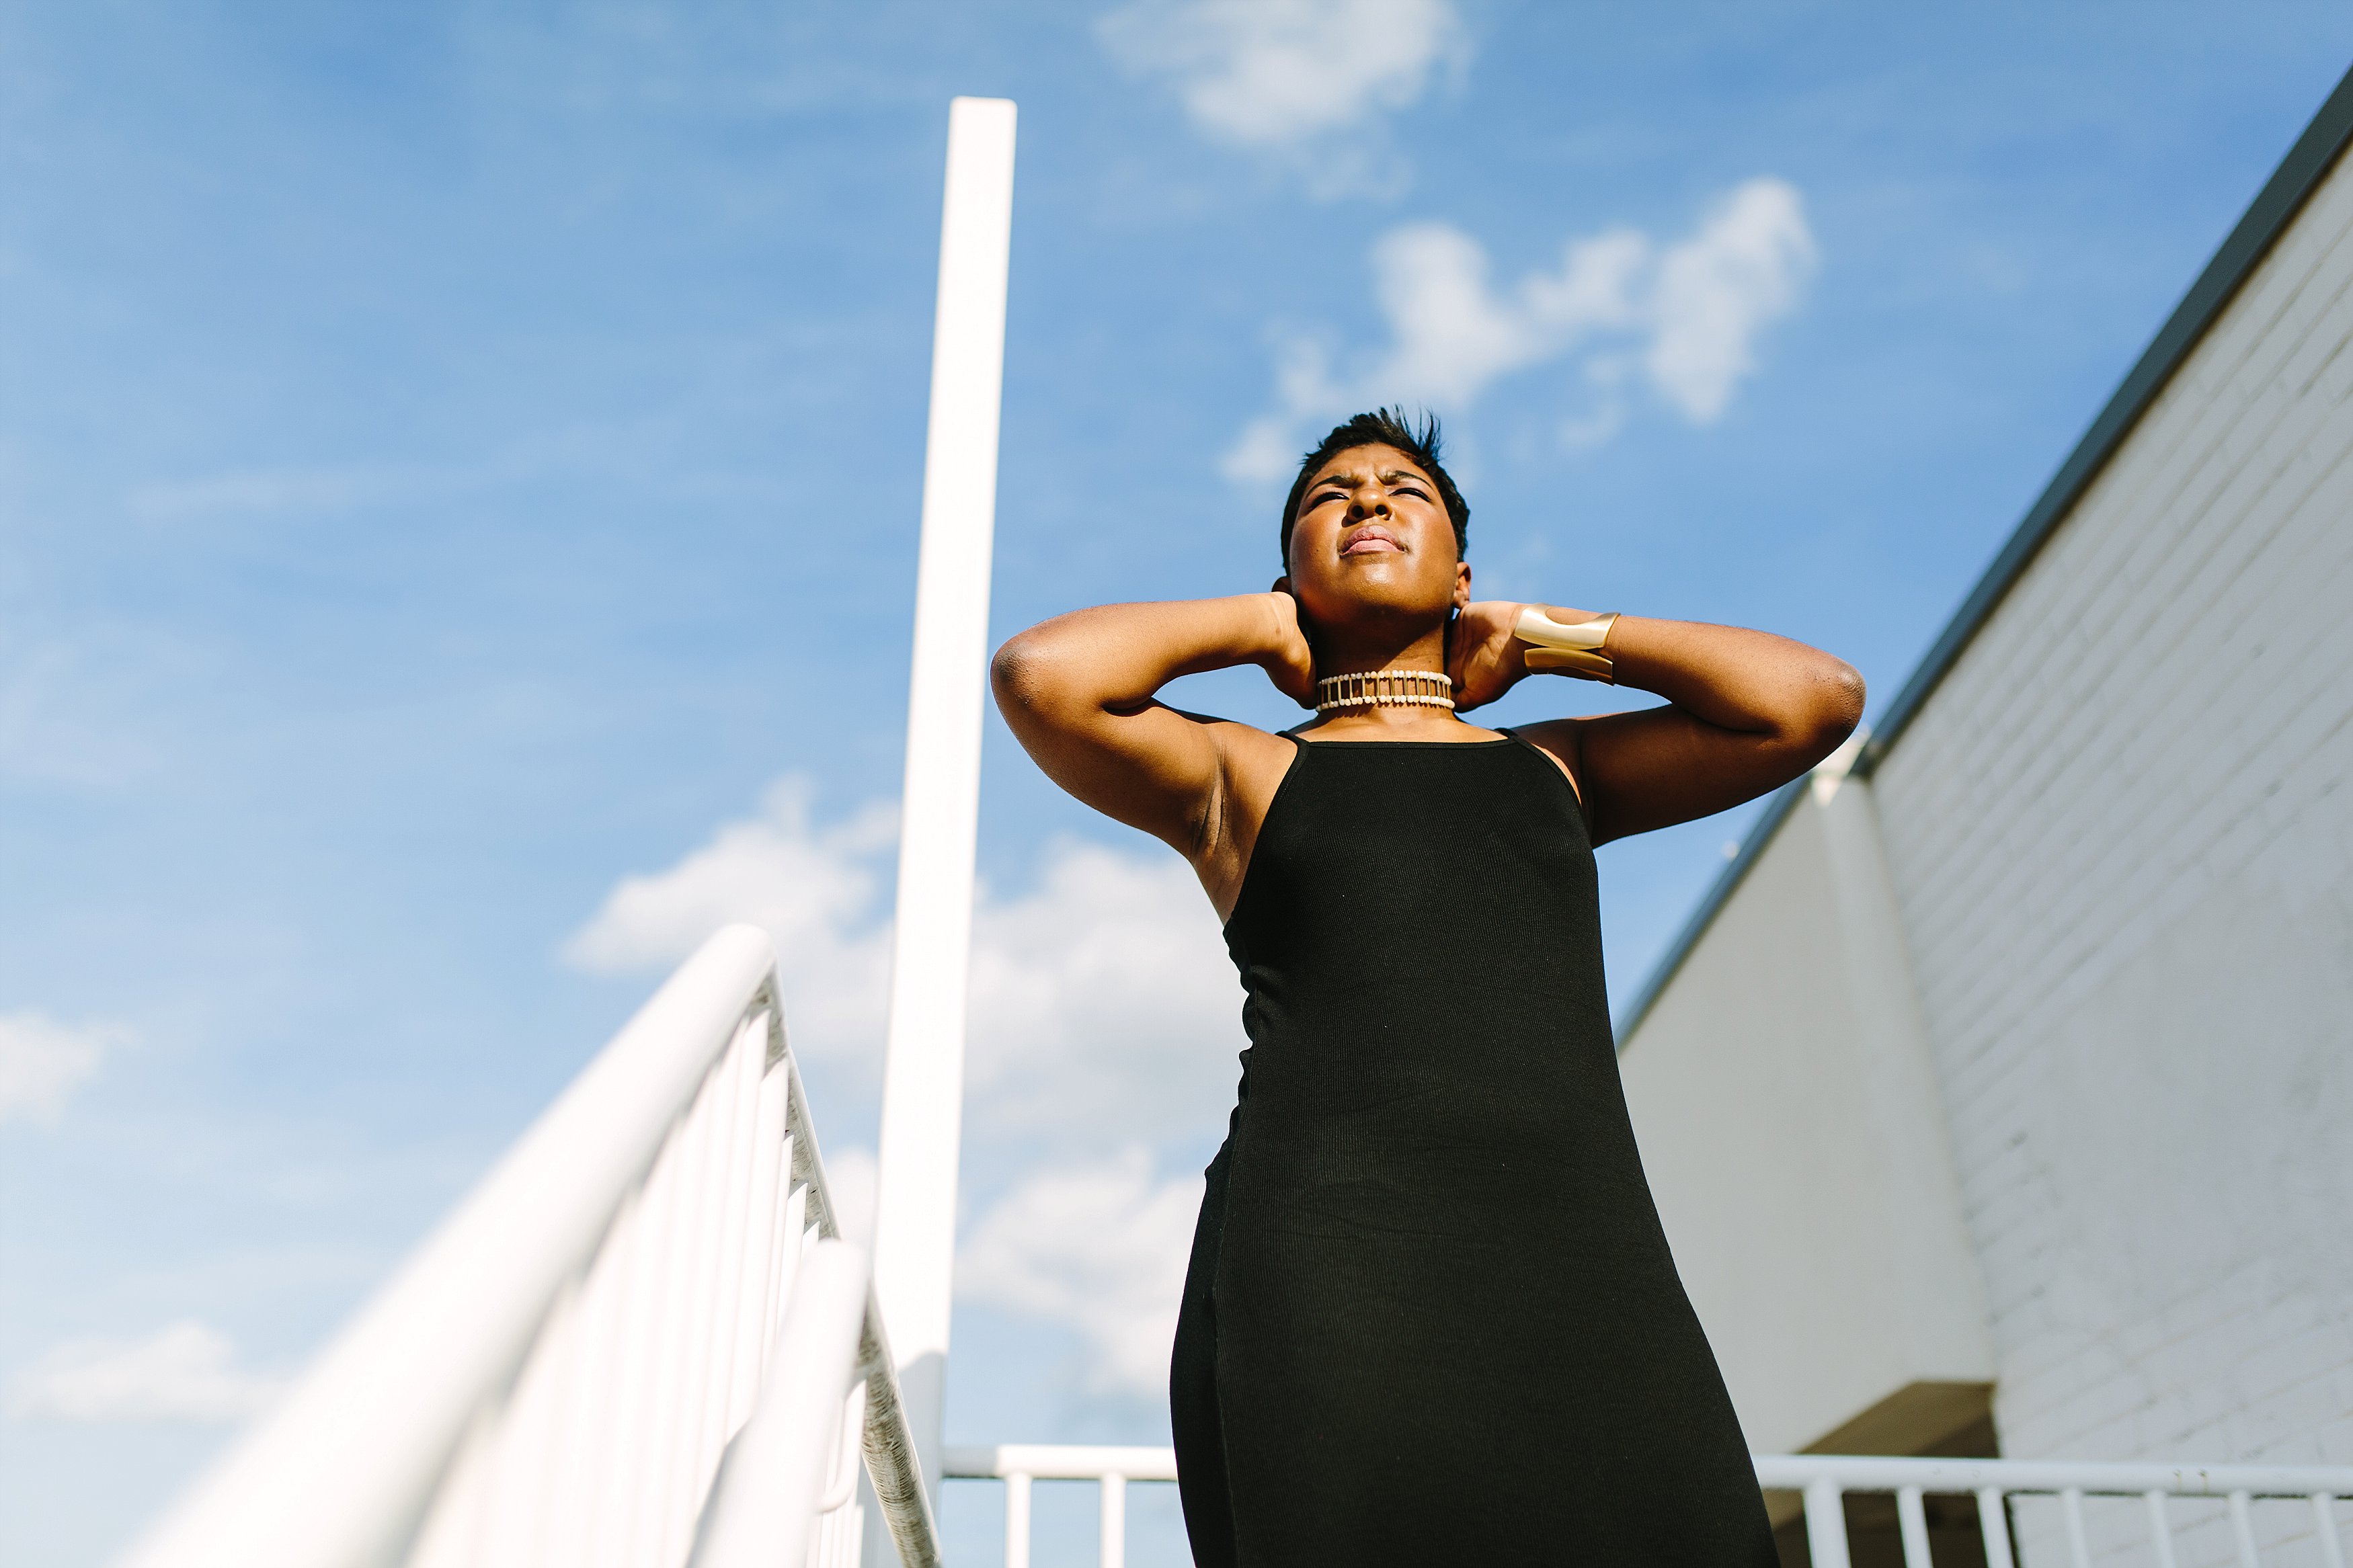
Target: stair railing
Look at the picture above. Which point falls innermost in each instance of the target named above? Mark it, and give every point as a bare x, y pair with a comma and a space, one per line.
553, 1376
2140, 1525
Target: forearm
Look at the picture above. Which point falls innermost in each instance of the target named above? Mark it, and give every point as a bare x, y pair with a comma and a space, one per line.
1749, 682
1745, 711
1115, 657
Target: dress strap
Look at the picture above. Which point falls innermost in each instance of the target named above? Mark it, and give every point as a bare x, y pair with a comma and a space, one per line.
1552, 765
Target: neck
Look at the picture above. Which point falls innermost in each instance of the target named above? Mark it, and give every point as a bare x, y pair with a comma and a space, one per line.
1359, 655
1421, 653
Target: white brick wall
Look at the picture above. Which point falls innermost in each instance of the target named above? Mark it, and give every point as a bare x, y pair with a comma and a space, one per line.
1781, 1089
2121, 836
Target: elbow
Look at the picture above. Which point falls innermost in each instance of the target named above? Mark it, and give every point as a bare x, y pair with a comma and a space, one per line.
1013, 675
1029, 678
1834, 707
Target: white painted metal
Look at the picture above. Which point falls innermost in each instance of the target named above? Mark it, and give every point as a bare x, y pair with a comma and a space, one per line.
2071, 1510
1993, 1528
1775, 1472
1113, 1531
1826, 1524
2243, 1529
923, 1074
353, 1451
553, 1377
1912, 1522
1016, 1521
1870, 1473
2161, 1529
2324, 1528
841, 1483
1822, 1478
1020, 1464
768, 1494
1061, 1462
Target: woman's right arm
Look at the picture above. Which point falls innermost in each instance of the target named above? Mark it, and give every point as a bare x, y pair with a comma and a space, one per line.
1080, 693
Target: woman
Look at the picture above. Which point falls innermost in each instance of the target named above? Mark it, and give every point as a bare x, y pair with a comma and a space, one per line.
1431, 1316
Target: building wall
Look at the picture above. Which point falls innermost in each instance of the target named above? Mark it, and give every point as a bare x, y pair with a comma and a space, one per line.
2121, 840
1782, 1092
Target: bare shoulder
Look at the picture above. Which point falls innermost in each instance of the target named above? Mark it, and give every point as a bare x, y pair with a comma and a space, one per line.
1560, 739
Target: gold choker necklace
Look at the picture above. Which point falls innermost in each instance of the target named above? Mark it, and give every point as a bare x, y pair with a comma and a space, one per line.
1385, 688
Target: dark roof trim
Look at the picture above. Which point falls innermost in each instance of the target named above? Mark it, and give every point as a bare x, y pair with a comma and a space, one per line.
2275, 207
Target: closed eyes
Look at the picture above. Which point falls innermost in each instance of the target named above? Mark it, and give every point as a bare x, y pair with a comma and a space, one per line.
1332, 493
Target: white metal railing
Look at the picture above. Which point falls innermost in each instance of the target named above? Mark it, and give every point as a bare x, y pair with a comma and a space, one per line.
1018, 1464
1824, 1481
795, 1460
554, 1376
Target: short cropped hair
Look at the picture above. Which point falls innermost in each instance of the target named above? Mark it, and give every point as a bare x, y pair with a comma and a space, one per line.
1384, 427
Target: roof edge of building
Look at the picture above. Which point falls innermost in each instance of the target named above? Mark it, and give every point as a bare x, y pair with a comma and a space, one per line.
2268, 217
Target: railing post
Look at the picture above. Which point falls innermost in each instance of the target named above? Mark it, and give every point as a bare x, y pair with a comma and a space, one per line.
2324, 1525
2071, 1505
1017, 1521
922, 1089
2242, 1530
1114, 1521
1825, 1525
764, 1503
2161, 1529
1912, 1522
1993, 1524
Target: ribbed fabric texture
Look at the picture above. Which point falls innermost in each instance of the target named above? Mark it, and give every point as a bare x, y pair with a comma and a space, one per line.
1431, 1316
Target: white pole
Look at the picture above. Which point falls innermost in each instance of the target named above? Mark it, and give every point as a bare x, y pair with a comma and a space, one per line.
922, 1082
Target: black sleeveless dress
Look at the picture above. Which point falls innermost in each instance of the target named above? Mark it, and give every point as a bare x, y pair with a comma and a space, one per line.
1431, 1316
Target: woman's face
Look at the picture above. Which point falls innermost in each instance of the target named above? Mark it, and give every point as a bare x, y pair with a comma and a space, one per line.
1372, 544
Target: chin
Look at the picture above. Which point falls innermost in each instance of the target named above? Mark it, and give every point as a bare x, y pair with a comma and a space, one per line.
1375, 602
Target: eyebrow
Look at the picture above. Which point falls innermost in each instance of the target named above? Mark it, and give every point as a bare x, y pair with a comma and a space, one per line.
1386, 477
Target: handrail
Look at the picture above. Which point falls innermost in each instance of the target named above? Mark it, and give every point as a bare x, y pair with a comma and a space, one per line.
771, 1485
1823, 1480
887, 1442
1061, 1462
1874, 1473
552, 1375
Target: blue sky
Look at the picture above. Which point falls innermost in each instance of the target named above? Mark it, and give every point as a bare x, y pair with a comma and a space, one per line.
454, 457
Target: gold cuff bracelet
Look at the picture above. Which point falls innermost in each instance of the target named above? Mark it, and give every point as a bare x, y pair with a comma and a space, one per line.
1561, 649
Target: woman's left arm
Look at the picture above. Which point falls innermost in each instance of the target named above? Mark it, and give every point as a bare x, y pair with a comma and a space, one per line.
1745, 711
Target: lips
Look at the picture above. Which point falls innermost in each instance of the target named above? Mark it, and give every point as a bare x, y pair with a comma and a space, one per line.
1370, 539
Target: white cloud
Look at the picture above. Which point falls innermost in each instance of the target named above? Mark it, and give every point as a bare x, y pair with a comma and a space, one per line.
1099, 1248
1102, 1004
185, 1372
815, 890
1717, 289
1453, 336
1277, 72
43, 1061
1688, 315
